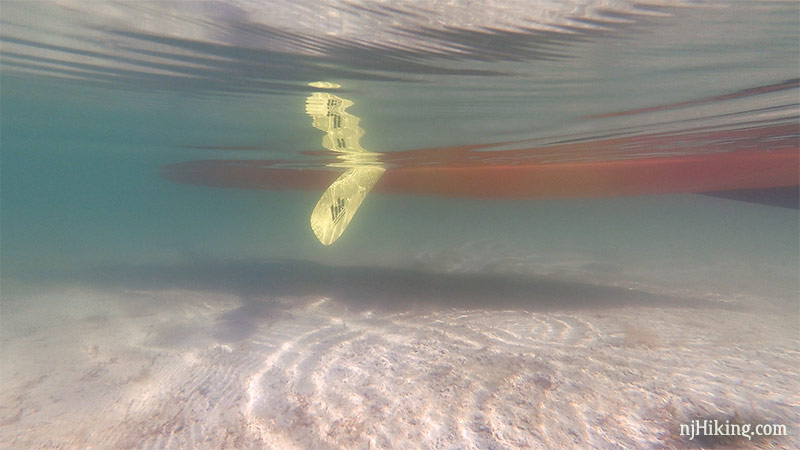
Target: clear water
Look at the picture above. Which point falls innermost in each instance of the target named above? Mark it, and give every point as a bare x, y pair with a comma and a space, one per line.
96, 99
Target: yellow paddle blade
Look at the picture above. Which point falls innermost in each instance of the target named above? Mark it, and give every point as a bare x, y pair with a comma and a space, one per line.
340, 201
325, 85
328, 113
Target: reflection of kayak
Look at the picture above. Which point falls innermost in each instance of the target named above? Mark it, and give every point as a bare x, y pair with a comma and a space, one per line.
713, 172
742, 170
764, 158
757, 162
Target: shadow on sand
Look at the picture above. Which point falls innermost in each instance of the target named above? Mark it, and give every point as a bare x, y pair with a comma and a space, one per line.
380, 288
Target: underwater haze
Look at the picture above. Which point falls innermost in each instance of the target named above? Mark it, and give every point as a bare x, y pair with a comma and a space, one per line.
412, 224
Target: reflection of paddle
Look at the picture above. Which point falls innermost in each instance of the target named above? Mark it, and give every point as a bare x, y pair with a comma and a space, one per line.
340, 201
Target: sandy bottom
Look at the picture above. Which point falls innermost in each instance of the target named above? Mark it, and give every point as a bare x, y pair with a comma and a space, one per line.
173, 368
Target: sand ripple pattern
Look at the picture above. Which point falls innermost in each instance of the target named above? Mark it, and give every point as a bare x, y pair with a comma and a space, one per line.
314, 373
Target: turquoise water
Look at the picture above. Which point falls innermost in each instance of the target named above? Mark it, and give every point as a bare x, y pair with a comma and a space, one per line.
90, 118
99, 102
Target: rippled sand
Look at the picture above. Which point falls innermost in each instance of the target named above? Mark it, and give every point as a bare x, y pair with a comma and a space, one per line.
169, 368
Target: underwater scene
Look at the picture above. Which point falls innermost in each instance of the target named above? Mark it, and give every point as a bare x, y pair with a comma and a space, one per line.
414, 224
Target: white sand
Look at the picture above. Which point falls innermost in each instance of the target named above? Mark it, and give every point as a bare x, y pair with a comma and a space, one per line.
85, 367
